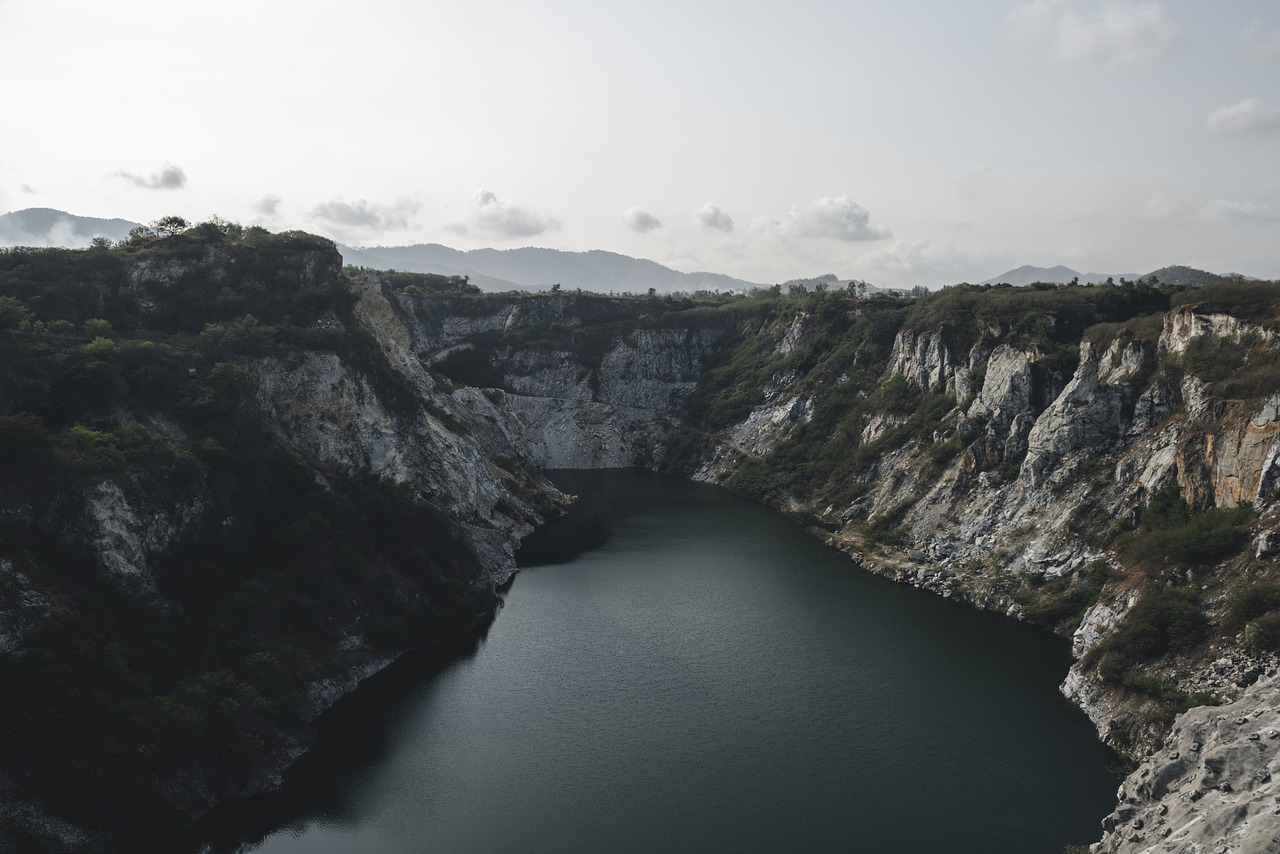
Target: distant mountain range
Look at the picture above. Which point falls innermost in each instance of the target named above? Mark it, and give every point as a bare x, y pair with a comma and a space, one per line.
488, 269
533, 268
514, 269
1174, 275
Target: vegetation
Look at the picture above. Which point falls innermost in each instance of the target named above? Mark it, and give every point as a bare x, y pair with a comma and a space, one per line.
1171, 534
1165, 621
142, 379
1059, 603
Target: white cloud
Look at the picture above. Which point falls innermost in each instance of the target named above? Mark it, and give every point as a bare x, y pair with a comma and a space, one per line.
641, 220
502, 220
1262, 44
1233, 211
1250, 117
904, 256
268, 205
838, 218
170, 177
360, 217
712, 216
1117, 34
61, 232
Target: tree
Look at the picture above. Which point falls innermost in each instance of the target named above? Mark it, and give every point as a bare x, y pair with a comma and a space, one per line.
12, 312
170, 225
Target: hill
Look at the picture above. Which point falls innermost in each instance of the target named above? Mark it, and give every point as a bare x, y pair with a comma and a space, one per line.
1172, 275
493, 270
534, 268
49, 227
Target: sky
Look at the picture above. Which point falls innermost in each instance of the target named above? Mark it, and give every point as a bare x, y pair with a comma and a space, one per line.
921, 142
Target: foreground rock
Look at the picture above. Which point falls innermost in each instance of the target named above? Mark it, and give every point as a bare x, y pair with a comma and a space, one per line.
1212, 788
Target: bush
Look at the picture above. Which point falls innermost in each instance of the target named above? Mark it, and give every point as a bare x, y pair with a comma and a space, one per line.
1164, 620
1249, 601
1264, 633
91, 451
96, 327
1171, 533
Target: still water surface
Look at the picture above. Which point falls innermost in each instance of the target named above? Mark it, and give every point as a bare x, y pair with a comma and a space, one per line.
709, 678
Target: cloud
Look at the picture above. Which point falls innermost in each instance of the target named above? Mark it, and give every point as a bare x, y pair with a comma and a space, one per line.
168, 178
27, 188
1233, 211
976, 181
641, 220
62, 231
837, 218
712, 216
503, 220
1263, 45
268, 205
1250, 117
904, 256
360, 217
1118, 34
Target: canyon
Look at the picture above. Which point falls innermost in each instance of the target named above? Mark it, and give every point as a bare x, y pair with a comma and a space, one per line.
1008, 448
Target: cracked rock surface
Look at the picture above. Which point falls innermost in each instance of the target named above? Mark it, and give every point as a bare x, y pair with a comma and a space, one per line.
1212, 789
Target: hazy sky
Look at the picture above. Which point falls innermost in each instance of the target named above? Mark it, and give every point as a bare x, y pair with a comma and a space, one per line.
914, 142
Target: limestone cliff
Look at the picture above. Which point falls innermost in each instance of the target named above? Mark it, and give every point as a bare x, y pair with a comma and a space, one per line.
351, 462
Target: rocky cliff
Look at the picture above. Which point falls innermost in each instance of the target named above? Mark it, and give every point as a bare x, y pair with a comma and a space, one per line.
363, 454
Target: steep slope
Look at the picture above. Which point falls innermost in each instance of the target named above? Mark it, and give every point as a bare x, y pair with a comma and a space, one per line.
229, 497
221, 434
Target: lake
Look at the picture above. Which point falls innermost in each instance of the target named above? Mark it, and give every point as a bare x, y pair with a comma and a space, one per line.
687, 671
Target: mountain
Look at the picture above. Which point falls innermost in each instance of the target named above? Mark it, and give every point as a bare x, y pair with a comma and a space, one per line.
535, 268
1188, 276
493, 270
1172, 275
49, 227
1026, 274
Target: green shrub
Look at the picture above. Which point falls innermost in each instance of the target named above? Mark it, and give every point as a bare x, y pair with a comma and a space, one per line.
1060, 603
1263, 633
91, 451
1248, 601
1164, 620
1170, 533
96, 327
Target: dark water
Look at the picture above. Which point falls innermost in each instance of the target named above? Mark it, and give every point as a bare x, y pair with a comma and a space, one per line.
706, 678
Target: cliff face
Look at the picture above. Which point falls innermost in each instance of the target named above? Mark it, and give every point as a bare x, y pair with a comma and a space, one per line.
1001, 452
238, 529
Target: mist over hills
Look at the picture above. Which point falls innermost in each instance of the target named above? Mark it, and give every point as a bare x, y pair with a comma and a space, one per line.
49, 227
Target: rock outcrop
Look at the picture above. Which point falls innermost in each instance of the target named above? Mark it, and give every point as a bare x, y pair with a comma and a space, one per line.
1211, 787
